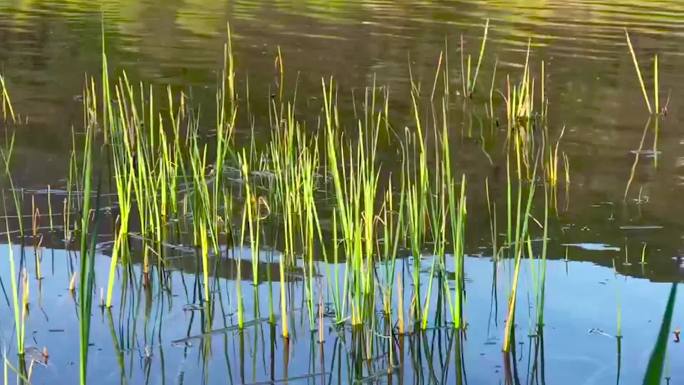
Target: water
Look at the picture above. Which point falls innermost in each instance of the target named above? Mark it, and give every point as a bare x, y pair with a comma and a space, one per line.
156, 338
47, 47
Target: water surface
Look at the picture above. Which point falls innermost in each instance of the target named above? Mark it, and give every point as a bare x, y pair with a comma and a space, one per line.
47, 48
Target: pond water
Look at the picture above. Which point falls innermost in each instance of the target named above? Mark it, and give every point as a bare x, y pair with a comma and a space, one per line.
604, 309
157, 338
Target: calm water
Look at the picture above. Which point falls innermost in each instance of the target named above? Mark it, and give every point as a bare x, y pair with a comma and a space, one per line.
157, 339
47, 48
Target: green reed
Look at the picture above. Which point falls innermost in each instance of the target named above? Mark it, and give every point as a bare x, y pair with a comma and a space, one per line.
226, 116
652, 108
417, 200
6, 152
523, 214
18, 310
468, 76
455, 211
174, 182
541, 292
311, 224
7, 109
86, 271
493, 226
17, 196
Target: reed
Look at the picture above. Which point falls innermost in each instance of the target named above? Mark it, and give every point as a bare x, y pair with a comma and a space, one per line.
417, 199
392, 227
86, 273
284, 323
18, 309
50, 213
643, 254
226, 114
6, 154
653, 108
540, 281
469, 77
238, 280
7, 109
335, 207
401, 328
493, 228
521, 236
311, 224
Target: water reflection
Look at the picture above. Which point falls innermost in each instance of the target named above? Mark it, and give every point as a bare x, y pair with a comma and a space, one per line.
163, 332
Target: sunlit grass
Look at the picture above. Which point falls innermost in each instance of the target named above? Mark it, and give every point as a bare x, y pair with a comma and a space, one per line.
347, 227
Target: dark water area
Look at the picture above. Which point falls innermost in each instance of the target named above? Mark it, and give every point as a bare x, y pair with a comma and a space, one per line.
49, 47
604, 309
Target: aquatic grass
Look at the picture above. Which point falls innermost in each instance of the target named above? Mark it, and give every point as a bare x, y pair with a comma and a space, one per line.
123, 172
282, 156
331, 197
656, 84
166, 168
652, 108
493, 227
226, 116
638, 72
392, 227
338, 298
7, 109
295, 160
552, 166
255, 216
311, 225
643, 254
50, 213
22, 375
618, 315
67, 203
439, 219
538, 266
417, 198
553, 161
468, 77
6, 154
355, 189
18, 309
86, 272
521, 235
520, 97
541, 292
457, 214
637, 156
238, 280
284, 323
